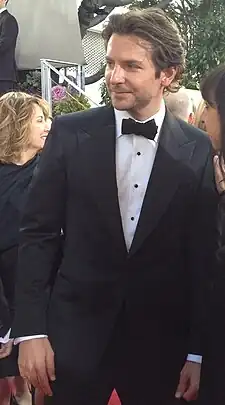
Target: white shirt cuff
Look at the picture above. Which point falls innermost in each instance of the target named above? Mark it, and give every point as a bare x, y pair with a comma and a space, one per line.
6, 338
23, 339
194, 358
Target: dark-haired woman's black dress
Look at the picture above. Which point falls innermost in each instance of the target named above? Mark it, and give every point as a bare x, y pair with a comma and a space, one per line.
212, 391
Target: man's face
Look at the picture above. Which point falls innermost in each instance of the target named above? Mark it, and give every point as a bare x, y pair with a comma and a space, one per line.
131, 76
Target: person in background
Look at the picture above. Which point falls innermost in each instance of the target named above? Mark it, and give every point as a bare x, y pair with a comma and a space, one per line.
8, 37
213, 369
198, 120
24, 126
180, 105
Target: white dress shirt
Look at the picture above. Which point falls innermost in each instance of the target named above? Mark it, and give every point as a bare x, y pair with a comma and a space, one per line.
2, 9
135, 157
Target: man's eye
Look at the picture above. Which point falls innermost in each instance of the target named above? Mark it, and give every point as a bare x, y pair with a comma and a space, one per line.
133, 65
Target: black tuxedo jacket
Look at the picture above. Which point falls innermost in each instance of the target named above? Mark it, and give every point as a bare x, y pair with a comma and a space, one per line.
161, 282
8, 38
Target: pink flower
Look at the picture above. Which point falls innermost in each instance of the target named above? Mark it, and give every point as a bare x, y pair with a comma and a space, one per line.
58, 93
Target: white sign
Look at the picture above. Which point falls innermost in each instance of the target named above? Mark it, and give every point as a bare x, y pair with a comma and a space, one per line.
48, 29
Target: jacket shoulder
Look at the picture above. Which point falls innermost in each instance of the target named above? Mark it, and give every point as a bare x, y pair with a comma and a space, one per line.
193, 133
84, 120
8, 18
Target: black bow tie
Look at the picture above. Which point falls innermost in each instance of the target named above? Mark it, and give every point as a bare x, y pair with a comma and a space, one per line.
147, 129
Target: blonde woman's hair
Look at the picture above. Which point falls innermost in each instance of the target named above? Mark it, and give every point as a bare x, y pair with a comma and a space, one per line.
16, 111
198, 122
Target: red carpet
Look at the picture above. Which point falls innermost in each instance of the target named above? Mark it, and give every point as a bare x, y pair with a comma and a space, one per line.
114, 400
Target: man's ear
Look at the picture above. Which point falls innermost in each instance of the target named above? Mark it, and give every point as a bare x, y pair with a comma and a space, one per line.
167, 76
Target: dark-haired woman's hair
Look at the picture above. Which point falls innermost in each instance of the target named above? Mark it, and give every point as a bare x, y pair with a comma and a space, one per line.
213, 92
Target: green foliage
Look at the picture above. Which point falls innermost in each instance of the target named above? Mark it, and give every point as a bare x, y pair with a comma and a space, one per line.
143, 3
70, 104
202, 25
208, 41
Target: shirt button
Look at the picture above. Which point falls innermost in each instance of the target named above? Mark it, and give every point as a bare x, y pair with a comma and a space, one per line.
139, 153
132, 218
136, 185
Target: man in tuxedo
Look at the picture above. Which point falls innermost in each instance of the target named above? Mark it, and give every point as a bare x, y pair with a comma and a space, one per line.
8, 38
132, 189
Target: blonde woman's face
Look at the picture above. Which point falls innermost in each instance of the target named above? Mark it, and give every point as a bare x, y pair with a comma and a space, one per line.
212, 122
39, 129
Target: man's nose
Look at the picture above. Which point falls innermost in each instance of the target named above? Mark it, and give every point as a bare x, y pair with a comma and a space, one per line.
117, 75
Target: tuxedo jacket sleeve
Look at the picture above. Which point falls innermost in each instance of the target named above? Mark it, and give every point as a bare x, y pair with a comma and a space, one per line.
44, 234
9, 32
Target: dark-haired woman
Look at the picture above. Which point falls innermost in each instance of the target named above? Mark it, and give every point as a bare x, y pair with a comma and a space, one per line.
213, 369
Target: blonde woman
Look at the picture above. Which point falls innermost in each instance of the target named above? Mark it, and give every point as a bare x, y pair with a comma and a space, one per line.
24, 126
198, 117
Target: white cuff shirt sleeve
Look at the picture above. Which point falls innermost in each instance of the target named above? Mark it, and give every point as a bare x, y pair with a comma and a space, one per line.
194, 358
23, 339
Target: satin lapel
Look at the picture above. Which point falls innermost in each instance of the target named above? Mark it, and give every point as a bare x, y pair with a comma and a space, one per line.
100, 169
173, 149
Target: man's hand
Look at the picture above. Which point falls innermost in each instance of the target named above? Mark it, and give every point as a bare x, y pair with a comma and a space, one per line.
36, 364
6, 349
189, 381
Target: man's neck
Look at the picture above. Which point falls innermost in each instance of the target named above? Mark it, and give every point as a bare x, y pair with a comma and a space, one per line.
146, 112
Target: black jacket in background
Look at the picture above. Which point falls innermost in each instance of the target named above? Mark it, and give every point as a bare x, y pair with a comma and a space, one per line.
8, 37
